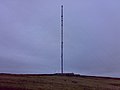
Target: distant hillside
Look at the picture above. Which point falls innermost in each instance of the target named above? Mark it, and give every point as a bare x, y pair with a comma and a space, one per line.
57, 82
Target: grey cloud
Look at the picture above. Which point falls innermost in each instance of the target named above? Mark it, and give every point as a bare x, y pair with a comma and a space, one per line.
30, 36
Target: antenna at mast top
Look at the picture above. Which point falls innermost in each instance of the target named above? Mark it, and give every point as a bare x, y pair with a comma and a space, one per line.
62, 39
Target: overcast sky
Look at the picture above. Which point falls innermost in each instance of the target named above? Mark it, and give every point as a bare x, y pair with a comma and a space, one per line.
30, 36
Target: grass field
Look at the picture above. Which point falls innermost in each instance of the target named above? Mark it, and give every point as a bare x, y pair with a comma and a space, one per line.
57, 82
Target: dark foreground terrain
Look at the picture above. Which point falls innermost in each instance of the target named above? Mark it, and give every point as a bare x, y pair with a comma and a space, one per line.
57, 82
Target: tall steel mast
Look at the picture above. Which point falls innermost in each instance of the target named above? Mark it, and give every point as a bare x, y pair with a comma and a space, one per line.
62, 38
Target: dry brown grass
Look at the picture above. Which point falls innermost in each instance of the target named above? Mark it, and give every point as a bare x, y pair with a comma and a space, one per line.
53, 82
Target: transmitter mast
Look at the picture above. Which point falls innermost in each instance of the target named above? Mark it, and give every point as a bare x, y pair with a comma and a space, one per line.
62, 43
